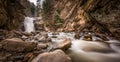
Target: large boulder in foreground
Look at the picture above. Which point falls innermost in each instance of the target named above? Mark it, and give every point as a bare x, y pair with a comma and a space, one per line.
55, 56
17, 45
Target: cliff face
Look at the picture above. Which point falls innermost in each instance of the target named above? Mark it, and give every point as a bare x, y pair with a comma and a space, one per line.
12, 13
95, 15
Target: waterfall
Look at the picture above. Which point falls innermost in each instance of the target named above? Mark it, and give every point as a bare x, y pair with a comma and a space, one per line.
33, 1
41, 3
29, 24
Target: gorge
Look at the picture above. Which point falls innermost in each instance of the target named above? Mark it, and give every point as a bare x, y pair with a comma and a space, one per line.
59, 31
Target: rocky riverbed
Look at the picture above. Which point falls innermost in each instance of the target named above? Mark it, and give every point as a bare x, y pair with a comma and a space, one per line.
43, 46
18, 46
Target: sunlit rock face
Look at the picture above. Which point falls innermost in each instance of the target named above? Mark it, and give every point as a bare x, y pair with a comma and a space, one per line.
84, 13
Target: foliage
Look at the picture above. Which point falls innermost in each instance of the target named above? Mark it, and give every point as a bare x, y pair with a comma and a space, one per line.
38, 8
32, 10
58, 21
46, 7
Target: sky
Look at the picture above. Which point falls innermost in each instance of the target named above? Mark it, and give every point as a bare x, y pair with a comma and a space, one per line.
34, 1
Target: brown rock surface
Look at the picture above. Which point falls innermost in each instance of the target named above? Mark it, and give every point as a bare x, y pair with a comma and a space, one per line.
41, 46
81, 14
55, 56
64, 45
17, 45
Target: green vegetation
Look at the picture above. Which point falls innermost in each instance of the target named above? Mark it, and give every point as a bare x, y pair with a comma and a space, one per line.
58, 21
46, 7
32, 10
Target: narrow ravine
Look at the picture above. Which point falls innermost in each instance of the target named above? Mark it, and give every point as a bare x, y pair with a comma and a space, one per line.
59, 31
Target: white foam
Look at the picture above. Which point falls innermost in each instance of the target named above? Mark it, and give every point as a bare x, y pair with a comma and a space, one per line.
29, 24
83, 51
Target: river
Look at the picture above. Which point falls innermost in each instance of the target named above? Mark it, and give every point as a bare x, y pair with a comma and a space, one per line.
90, 51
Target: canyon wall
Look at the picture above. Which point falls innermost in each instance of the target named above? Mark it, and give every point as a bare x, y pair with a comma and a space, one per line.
12, 13
95, 15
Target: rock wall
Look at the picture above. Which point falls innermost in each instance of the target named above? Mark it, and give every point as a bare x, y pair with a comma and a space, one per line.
12, 13
95, 15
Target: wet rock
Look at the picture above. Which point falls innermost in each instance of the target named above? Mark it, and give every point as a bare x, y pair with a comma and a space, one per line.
48, 40
55, 33
28, 57
4, 56
0, 46
54, 36
17, 45
102, 36
18, 32
14, 39
41, 38
26, 34
11, 34
3, 34
65, 44
41, 46
17, 57
55, 56
87, 37
44, 34
39, 24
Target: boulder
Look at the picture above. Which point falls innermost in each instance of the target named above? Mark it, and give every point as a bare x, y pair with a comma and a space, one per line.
17, 45
102, 36
55, 56
41, 46
87, 37
41, 38
65, 44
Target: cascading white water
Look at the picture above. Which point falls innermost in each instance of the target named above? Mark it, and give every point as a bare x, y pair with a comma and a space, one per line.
90, 51
29, 24
41, 3
33, 1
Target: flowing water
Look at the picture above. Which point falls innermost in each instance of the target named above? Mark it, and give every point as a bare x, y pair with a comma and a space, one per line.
90, 51
29, 24
41, 3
